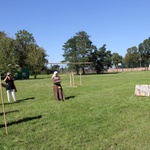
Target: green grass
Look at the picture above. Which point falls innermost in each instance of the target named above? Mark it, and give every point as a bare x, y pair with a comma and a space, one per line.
102, 114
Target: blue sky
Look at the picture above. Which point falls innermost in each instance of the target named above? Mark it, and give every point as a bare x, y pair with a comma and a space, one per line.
120, 24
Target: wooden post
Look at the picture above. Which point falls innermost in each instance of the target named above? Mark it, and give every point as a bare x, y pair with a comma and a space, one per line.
73, 78
72, 82
3, 106
70, 79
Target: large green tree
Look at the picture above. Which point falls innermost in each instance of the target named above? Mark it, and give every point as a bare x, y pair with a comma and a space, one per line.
77, 49
132, 57
116, 58
29, 53
23, 40
8, 59
21, 52
101, 59
144, 51
36, 59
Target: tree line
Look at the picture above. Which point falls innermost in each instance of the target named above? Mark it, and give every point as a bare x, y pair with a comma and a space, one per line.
23, 52
79, 48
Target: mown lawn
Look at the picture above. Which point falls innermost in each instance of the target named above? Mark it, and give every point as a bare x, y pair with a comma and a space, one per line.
102, 114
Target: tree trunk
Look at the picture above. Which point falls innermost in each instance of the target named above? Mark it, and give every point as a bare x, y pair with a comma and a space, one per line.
35, 76
83, 71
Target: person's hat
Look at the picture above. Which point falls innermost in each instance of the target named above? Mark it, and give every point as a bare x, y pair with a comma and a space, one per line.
55, 72
8, 73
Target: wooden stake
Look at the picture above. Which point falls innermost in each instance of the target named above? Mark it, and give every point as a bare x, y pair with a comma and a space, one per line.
72, 82
70, 79
3, 106
73, 78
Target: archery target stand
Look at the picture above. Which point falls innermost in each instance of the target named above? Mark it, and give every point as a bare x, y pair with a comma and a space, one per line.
142, 90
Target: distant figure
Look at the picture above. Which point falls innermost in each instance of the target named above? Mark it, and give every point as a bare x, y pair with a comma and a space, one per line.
10, 86
23, 75
57, 88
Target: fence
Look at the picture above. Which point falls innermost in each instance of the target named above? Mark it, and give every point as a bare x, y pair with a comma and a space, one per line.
128, 69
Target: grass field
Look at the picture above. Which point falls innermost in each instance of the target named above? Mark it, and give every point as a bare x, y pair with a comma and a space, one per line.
102, 114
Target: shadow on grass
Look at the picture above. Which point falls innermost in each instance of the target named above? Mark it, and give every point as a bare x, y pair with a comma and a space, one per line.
21, 121
1, 114
8, 103
20, 100
25, 99
67, 98
31, 78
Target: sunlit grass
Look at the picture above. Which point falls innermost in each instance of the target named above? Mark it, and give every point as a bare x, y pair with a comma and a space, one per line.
101, 114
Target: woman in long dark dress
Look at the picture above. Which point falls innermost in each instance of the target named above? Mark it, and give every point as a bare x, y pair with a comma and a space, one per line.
57, 88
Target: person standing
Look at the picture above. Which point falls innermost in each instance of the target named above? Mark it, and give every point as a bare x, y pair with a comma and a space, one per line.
57, 88
10, 86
